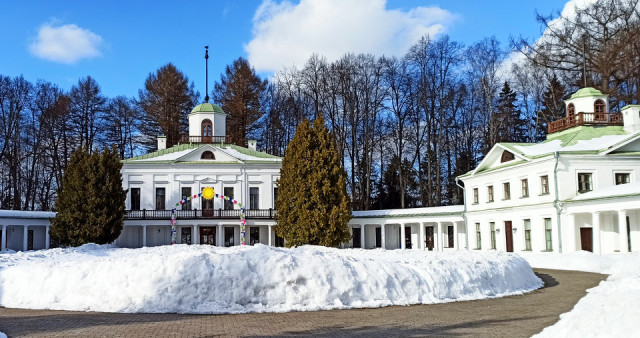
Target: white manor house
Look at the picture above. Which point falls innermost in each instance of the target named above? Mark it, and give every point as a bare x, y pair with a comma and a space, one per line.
578, 190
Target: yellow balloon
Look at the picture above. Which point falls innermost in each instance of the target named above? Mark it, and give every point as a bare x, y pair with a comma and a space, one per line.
207, 193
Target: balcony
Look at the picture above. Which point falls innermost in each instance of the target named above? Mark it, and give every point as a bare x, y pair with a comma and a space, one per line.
199, 214
205, 139
586, 119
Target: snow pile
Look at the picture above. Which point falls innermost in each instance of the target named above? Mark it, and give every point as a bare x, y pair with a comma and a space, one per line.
206, 279
612, 308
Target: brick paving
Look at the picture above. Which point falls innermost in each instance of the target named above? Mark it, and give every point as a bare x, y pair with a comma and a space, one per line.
516, 316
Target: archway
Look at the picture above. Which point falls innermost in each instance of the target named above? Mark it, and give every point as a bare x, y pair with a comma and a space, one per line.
208, 193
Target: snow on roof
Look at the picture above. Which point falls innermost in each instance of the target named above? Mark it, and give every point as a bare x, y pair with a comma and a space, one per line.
612, 191
451, 209
246, 157
167, 157
26, 214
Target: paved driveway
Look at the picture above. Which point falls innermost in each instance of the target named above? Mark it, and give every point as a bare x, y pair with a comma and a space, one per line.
517, 316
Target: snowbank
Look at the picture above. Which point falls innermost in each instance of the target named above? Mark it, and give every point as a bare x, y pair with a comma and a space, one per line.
612, 308
206, 279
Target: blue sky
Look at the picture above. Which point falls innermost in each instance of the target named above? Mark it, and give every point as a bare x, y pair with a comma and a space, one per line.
120, 42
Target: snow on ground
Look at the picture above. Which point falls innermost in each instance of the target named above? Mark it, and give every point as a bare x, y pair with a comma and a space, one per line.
2, 335
207, 279
611, 309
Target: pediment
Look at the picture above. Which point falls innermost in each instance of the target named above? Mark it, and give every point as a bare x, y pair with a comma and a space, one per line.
207, 153
499, 156
631, 145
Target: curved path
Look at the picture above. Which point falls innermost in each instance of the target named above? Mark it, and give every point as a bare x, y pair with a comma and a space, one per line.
516, 316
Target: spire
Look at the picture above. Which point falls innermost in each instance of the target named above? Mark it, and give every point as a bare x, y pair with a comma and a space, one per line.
206, 61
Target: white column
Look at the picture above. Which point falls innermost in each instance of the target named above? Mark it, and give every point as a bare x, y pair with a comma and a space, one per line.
570, 244
455, 235
144, 236
220, 236
195, 236
47, 239
596, 232
383, 239
3, 244
403, 242
24, 237
421, 242
439, 246
362, 245
622, 227
270, 244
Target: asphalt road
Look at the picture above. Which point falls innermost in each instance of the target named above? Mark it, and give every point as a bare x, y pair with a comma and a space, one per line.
516, 316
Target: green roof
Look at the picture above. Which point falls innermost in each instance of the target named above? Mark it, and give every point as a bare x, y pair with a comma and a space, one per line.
571, 136
586, 92
187, 146
207, 108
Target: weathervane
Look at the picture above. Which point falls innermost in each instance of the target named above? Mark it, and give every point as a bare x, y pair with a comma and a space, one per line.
206, 61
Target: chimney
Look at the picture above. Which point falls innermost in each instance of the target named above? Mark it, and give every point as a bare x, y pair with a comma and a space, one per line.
162, 142
252, 144
631, 118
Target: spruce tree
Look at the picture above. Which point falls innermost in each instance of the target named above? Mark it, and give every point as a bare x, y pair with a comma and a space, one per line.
313, 205
553, 103
90, 201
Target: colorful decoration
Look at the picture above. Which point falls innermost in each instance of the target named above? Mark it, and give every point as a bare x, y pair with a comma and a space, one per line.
209, 193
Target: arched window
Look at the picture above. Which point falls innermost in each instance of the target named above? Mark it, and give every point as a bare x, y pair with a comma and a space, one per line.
207, 155
507, 156
207, 128
571, 110
599, 106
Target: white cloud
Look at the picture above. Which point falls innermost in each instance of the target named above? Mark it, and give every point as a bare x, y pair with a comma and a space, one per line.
285, 34
65, 43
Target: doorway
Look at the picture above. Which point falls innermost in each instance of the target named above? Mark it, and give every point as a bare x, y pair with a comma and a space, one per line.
356, 238
228, 236
429, 241
208, 235
586, 239
508, 232
185, 236
407, 237
378, 238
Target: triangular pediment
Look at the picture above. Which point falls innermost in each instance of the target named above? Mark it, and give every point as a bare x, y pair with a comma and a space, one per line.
207, 153
630, 145
500, 155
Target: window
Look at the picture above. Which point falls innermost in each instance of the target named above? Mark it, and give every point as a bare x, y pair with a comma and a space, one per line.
571, 110
492, 225
450, 236
547, 234
254, 235
135, 198
507, 190
544, 185
207, 127
228, 236
478, 238
228, 204
207, 155
490, 193
507, 156
160, 204
584, 182
275, 196
254, 198
599, 107
475, 196
622, 178
29, 239
186, 194
527, 234
525, 187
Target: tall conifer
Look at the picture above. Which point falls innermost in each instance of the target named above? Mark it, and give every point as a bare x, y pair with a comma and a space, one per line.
313, 205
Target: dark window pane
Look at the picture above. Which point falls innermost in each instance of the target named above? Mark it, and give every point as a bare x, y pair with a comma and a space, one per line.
254, 235
228, 204
160, 204
135, 198
254, 198
186, 193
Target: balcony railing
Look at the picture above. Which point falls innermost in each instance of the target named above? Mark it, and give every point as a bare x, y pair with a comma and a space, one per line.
205, 139
586, 119
199, 213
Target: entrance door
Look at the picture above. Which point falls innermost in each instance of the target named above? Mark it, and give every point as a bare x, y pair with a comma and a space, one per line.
208, 235
586, 239
429, 240
378, 238
407, 237
228, 237
508, 231
356, 238
185, 236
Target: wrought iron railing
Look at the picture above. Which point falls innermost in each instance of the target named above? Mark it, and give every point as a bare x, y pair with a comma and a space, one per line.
586, 119
200, 213
205, 139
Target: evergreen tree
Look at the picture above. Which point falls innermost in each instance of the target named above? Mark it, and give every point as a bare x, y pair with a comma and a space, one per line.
167, 99
507, 124
90, 200
313, 205
553, 107
241, 93
390, 196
